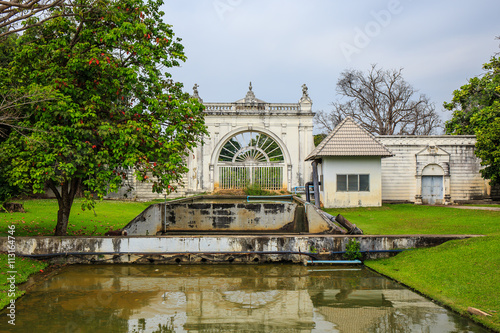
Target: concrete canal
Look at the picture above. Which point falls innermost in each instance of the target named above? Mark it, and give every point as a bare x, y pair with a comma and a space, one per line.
208, 229
228, 298
173, 290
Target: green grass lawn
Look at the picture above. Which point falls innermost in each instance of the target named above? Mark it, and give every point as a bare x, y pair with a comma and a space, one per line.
459, 274
23, 267
416, 219
41, 217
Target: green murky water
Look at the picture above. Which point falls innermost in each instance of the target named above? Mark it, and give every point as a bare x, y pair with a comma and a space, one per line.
227, 298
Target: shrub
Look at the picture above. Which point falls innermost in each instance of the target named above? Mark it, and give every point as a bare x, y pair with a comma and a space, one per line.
352, 250
256, 189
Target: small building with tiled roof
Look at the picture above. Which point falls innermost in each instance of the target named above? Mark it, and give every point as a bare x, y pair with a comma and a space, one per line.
349, 167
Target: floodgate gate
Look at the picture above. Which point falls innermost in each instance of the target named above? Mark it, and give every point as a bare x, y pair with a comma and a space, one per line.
253, 142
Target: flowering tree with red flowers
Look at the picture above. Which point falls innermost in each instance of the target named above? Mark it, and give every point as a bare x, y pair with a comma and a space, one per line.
116, 108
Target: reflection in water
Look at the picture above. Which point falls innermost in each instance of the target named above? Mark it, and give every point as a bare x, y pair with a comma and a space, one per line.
264, 298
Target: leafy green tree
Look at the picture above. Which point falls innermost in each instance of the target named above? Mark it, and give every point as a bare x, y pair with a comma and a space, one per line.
14, 97
318, 138
7, 190
488, 149
476, 110
117, 109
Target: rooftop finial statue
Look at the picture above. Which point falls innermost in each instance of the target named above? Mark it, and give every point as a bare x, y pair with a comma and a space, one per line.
305, 96
195, 93
304, 91
250, 97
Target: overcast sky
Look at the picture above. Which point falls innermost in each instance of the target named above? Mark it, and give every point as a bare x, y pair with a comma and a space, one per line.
280, 44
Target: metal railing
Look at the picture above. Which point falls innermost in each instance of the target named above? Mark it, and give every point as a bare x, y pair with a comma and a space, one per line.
266, 177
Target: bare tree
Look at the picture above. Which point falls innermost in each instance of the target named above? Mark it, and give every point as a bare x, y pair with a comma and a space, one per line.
18, 15
327, 120
383, 103
13, 102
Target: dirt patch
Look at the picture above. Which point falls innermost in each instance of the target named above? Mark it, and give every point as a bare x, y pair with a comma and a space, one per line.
239, 191
231, 191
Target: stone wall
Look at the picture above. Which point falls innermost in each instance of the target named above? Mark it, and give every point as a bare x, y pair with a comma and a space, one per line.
142, 191
401, 173
224, 249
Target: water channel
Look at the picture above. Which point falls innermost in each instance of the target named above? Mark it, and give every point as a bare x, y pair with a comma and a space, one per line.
228, 298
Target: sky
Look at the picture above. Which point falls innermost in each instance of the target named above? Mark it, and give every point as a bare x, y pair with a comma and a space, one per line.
279, 45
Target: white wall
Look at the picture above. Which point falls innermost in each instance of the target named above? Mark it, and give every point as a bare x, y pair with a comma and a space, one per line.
293, 128
400, 173
331, 166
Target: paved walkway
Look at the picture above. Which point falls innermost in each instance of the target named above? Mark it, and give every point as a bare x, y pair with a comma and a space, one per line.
476, 207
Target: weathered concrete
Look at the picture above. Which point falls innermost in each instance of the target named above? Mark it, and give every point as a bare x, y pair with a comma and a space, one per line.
215, 248
450, 156
229, 214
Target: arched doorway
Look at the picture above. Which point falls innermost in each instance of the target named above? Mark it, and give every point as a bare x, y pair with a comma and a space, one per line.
432, 184
251, 157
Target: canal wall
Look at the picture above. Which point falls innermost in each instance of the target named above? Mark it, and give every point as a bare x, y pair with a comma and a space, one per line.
213, 248
230, 214
188, 217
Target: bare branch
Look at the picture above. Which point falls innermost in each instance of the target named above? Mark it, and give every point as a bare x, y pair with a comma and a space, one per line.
383, 103
13, 14
13, 103
327, 121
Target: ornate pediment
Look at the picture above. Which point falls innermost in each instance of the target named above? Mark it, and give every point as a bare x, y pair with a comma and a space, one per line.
433, 150
250, 98
433, 154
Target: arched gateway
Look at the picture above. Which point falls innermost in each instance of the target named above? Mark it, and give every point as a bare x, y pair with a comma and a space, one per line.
253, 142
254, 156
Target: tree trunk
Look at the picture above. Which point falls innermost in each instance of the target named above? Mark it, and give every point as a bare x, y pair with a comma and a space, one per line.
65, 198
62, 219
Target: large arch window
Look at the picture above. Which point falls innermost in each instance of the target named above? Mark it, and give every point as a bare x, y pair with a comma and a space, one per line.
251, 157
248, 147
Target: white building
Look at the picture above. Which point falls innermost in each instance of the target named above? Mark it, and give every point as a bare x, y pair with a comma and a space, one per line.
252, 141
349, 167
357, 169
249, 141
432, 170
